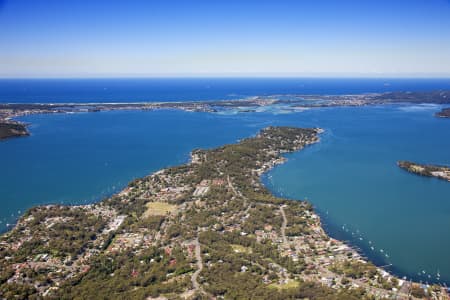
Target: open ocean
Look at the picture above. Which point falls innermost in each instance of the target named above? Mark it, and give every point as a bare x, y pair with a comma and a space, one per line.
351, 176
141, 90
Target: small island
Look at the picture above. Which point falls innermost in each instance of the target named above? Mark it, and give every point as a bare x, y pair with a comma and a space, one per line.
9, 129
441, 172
444, 113
208, 229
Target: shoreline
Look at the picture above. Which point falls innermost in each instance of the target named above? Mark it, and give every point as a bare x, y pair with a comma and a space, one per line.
335, 231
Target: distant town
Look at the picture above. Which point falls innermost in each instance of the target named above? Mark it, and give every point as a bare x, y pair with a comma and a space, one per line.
13, 128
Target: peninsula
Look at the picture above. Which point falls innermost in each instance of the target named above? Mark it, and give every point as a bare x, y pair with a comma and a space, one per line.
208, 229
441, 172
294, 102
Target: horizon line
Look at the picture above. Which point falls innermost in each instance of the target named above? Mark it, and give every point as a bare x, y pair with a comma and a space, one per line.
215, 76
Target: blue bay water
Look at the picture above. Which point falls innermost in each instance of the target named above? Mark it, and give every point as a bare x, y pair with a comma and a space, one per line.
350, 176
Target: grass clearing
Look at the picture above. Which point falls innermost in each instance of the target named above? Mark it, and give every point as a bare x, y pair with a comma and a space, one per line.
289, 285
241, 249
159, 209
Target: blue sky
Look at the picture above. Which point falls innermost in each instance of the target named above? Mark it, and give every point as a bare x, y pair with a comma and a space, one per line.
342, 38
